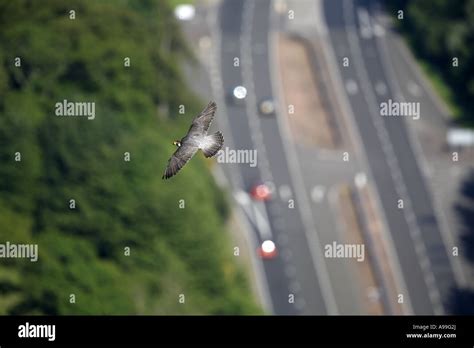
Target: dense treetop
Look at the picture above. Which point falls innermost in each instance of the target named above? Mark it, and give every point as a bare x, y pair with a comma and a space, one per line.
119, 204
440, 30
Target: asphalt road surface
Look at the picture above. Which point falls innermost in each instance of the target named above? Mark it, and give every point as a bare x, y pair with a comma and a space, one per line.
244, 27
414, 229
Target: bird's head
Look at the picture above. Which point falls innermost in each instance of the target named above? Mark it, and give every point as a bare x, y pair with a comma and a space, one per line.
177, 143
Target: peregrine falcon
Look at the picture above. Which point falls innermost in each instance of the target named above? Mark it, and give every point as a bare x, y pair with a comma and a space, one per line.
195, 139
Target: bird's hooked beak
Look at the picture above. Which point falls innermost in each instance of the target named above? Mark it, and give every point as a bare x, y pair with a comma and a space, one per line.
177, 143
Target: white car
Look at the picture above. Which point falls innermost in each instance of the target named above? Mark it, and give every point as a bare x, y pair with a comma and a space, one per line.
267, 107
185, 12
239, 93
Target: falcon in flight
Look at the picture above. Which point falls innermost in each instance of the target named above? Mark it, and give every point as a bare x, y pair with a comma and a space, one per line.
196, 139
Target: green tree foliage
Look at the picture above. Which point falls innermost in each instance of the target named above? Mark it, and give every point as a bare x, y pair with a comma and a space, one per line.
119, 204
440, 30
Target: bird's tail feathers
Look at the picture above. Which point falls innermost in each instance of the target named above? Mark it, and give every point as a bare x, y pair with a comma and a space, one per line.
215, 142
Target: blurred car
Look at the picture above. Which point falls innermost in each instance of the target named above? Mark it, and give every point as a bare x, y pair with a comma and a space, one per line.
238, 94
459, 137
261, 192
267, 107
267, 249
185, 12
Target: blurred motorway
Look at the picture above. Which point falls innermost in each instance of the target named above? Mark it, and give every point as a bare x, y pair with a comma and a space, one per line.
415, 230
244, 26
385, 151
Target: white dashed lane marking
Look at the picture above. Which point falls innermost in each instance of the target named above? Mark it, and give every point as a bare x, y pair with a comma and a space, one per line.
414, 89
285, 192
381, 88
351, 87
317, 193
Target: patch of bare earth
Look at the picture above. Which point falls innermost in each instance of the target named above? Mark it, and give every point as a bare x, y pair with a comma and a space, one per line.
353, 235
379, 251
310, 123
363, 226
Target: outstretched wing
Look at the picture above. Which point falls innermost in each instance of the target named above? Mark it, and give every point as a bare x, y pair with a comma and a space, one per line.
179, 158
202, 121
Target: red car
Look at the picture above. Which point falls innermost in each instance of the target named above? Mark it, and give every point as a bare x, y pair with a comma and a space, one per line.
261, 192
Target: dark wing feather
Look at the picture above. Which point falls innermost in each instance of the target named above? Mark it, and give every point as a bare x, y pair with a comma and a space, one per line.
202, 121
179, 158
